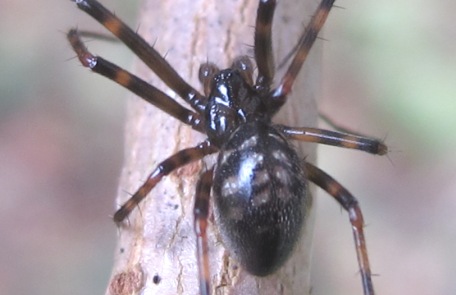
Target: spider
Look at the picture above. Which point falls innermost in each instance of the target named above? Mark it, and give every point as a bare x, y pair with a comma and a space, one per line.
259, 184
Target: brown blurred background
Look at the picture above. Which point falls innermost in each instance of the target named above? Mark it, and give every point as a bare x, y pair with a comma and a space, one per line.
389, 71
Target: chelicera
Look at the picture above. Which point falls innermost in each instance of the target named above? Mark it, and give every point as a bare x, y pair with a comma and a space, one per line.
259, 184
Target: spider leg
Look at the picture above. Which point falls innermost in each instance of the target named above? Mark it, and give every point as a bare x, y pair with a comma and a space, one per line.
144, 51
335, 138
264, 57
201, 214
133, 83
177, 160
305, 43
350, 204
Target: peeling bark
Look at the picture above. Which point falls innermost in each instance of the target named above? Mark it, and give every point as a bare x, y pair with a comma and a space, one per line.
156, 250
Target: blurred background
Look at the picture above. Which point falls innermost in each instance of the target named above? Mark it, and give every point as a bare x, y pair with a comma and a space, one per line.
389, 71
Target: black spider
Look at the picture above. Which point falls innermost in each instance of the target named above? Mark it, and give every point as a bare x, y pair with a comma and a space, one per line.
259, 184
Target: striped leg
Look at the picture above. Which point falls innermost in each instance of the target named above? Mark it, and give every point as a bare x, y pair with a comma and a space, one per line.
370, 145
350, 204
263, 43
201, 214
174, 162
305, 43
144, 51
133, 83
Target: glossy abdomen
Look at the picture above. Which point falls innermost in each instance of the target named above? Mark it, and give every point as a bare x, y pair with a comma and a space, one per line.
260, 197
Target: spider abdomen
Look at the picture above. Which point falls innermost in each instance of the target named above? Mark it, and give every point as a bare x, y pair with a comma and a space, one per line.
260, 197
